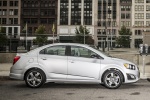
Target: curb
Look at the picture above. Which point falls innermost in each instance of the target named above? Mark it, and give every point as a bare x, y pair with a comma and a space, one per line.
4, 78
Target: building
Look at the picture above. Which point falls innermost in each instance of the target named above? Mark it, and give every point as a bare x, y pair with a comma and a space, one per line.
72, 14
126, 16
35, 13
107, 22
101, 17
10, 20
140, 20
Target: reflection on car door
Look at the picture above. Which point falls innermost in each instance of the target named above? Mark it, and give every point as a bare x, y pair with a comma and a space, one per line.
81, 66
54, 60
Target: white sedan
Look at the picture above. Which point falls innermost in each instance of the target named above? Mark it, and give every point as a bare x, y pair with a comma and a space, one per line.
73, 63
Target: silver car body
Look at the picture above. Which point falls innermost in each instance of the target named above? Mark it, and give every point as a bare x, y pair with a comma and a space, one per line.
70, 68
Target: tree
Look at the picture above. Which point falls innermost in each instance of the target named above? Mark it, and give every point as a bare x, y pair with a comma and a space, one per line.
124, 39
79, 38
3, 37
41, 38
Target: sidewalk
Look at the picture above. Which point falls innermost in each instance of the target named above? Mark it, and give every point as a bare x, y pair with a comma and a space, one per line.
5, 70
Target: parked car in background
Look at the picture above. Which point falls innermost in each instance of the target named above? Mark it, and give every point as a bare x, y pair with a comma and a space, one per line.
74, 63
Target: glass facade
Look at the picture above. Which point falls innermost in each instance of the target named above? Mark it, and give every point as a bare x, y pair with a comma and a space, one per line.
64, 12
88, 12
75, 12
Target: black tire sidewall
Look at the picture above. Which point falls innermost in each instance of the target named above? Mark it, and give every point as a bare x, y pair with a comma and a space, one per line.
43, 78
114, 71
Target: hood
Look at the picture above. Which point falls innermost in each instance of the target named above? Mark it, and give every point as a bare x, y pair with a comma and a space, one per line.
122, 61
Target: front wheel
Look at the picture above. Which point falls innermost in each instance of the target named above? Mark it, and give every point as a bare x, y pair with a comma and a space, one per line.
113, 79
35, 78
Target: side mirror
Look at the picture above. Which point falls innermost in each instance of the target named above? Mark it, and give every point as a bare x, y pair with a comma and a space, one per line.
95, 56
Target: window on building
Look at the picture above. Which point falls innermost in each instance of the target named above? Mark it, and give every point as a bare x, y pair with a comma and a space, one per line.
1, 11
139, 1
15, 20
87, 12
16, 3
3, 20
15, 11
9, 30
34, 20
15, 29
4, 12
128, 8
43, 20
11, 21
0, 3
138, 32
147, 1
139, 23
139, 15
128, 16
147, 23
147, 7
11, 3
51, 20
123, 16
11, 12
147, 15
4, 3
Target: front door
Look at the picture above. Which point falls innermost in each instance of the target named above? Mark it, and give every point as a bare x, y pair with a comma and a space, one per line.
81, 64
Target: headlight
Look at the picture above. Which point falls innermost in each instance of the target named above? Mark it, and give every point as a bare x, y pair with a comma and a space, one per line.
129, 66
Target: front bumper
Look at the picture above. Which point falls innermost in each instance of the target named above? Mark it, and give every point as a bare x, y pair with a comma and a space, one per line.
132, 76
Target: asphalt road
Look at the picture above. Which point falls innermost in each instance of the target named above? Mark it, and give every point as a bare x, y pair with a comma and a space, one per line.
17, 90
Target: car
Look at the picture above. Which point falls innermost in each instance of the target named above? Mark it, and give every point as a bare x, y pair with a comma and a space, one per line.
72, 63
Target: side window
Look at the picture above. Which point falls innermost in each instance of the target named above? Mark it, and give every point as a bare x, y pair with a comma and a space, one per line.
54, 50
81, 52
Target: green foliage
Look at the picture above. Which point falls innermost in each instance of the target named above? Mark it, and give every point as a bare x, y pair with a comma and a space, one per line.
41, 38
79, 38
3, 37
124, 39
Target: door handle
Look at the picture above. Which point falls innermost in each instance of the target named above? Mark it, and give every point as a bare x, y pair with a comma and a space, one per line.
71, 61
43, 58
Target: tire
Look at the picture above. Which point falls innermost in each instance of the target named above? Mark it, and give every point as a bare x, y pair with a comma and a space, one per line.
35, 78
112, 79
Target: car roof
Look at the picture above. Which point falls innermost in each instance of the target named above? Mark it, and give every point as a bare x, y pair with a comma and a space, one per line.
69, 44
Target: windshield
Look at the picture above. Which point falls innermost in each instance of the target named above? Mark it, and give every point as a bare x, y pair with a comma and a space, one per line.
94, 47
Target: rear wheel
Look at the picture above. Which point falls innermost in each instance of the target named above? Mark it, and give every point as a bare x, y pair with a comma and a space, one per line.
35, 78
113, 79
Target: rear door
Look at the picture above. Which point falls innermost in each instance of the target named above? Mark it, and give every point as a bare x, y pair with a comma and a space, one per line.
54, 60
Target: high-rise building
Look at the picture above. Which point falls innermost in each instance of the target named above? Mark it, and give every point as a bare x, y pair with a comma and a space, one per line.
101, 17
72, 14
125, 16
140, 20
107, 22
35, 13
10, 20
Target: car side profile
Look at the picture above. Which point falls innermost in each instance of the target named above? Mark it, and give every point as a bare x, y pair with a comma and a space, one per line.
72, 63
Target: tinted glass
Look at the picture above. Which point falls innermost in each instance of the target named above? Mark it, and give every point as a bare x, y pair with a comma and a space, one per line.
54, 50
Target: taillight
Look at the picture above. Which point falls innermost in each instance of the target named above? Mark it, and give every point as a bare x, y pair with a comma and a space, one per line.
16, 59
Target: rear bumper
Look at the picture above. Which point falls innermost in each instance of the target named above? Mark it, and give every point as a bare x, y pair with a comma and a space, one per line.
16, 74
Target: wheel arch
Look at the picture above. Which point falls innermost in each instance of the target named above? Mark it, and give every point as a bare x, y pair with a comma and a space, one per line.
102, 76
32, 69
